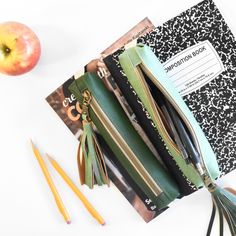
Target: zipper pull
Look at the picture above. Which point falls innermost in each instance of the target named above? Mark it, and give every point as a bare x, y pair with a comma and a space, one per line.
91, 163
85, 106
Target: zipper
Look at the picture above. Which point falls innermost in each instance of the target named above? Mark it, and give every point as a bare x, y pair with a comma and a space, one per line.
166, 93
157, 117
121, 143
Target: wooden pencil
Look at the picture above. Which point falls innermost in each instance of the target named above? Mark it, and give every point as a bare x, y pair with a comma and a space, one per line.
79, 194
51, 184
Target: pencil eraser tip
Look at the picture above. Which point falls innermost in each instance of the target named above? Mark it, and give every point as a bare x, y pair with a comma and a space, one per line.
68, 222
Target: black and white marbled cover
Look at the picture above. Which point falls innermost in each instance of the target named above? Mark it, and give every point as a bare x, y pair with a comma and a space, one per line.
214, 104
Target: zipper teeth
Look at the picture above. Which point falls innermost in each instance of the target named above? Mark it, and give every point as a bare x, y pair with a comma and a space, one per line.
176, 107
117, 138
156, 114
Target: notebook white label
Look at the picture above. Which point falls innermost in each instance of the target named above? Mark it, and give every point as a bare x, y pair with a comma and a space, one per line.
194, 67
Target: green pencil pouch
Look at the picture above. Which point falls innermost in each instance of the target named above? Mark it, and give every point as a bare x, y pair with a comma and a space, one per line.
149, 80
101, 109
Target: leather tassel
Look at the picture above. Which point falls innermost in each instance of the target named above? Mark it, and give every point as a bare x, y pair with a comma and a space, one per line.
81, 164
91, 163
224, 200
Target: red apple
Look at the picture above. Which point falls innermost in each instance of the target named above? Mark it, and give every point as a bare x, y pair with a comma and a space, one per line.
19, 48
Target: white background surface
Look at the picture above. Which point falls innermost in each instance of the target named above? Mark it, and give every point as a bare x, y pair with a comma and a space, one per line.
71, 33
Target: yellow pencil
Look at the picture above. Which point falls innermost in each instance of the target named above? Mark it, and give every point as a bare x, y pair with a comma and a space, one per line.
52, 186
80, 195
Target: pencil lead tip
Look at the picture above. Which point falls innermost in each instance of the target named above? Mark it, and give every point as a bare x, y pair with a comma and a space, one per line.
49, 157
32, 144
68, 222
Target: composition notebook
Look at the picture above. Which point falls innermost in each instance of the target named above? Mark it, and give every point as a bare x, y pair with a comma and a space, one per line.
198, 52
